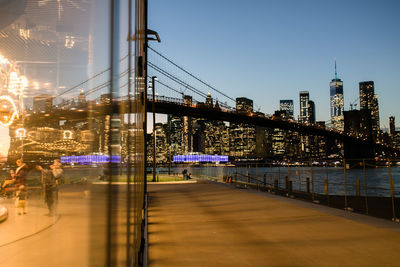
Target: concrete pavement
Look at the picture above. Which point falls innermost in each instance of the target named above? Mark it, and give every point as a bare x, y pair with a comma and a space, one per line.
18, 227
35, 239
208, 224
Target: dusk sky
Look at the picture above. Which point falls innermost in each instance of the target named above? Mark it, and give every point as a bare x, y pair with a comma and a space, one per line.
271, 50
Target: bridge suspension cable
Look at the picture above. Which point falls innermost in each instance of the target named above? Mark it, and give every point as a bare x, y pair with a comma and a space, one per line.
190, 74
90, 78
105, 84
169, 87
175, 79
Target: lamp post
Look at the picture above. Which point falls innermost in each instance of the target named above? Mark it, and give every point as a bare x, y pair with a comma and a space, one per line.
153, 81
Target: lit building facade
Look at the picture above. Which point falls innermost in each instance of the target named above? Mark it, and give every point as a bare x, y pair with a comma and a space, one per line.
311, 112
392, 125
369, 100
244, 104
216, 138
42, 103
242, 137
175, 129
287, 105
304, 112
337, 103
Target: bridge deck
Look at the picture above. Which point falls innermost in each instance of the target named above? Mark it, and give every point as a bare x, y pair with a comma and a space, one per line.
214, 225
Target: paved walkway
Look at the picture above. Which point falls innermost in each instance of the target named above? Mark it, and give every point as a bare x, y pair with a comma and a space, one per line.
35, 239
215, 225
18, 227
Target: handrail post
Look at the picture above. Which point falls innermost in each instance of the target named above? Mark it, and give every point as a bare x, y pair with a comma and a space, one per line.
344, 182
365, 188
312, 180
391, 190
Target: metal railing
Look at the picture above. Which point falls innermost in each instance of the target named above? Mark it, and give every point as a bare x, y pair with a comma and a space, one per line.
362, 185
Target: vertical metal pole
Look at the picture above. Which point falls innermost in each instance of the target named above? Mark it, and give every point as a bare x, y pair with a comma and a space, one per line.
312, 180
365, 188
344, 184
391, 190
327, 182
357, 187
247, 173
279, 175
257, 174
128, 141
298, 171
113, 132
144, 75
153, 84
270, 177
144, 8
169, 159
326, 186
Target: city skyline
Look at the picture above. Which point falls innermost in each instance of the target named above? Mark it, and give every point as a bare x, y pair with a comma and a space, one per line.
288, 64
293, 47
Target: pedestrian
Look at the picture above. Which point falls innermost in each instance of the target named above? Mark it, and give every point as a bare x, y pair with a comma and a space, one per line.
18, 176
57, 173
184, 172
50, 189
21, 196
20, 172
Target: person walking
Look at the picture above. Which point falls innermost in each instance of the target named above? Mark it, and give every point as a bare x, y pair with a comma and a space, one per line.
50, 189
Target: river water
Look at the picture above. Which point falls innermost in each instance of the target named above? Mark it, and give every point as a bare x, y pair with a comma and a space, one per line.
373, 181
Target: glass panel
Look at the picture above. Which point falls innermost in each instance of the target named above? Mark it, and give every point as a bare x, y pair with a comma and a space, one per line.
71, 127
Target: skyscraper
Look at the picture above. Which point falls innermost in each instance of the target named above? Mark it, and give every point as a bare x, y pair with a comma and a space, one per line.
392, 125
42, 103
242, 137
287, 105
311, 112
244, 104
369, 100
187, 128
336, 102
304, 99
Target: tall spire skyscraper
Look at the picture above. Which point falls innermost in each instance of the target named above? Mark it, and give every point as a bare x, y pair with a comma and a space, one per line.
337, 102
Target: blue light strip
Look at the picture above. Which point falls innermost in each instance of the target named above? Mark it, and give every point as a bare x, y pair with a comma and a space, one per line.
199, 158
90, 159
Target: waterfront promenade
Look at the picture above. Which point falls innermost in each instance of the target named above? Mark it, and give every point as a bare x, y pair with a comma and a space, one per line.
203, 224
209, 224
35, 239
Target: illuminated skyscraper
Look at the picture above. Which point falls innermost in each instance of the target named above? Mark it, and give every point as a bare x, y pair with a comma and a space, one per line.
304, 98
311, 111
337, 102
242, 137
392, 125
244, 104
287, 105
369, 100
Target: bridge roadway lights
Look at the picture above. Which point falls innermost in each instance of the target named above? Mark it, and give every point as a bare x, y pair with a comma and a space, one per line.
3, 213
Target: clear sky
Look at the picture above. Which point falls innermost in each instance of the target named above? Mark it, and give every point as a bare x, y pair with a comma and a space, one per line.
271, 50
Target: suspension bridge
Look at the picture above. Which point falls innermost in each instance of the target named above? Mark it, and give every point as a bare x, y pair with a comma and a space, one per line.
172, 85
